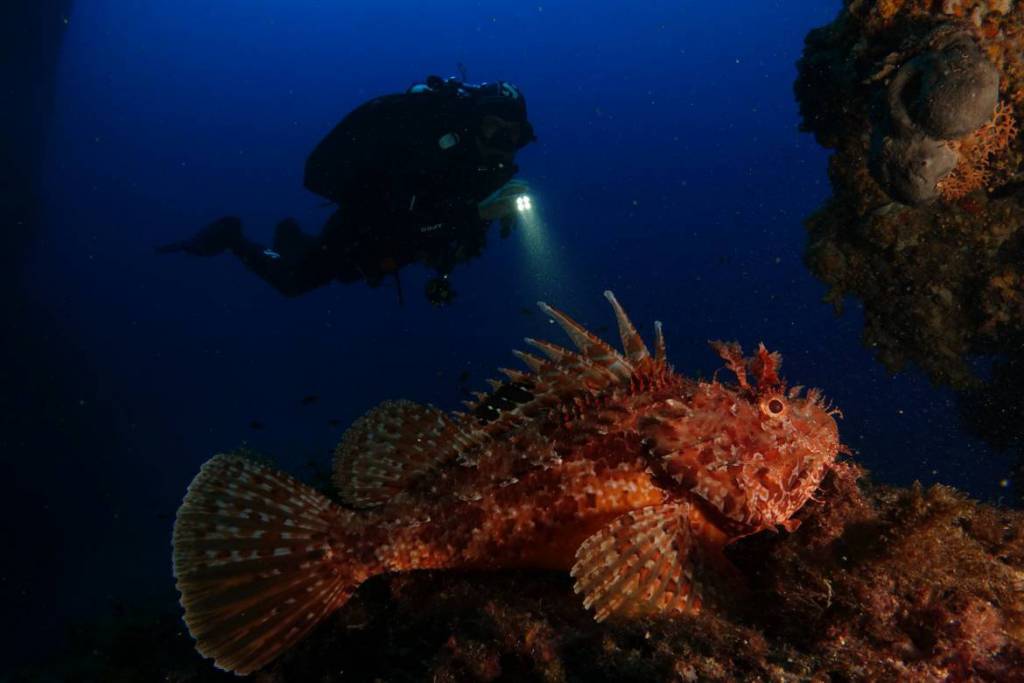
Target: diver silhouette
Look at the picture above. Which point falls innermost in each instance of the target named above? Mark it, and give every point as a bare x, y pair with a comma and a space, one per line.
418, 177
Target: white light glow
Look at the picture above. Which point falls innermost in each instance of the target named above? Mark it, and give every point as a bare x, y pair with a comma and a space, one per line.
542, 261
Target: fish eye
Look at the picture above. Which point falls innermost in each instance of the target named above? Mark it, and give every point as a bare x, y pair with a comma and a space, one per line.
773, 407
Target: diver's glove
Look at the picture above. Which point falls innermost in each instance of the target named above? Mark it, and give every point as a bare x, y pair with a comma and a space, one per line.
217, 237
503, 202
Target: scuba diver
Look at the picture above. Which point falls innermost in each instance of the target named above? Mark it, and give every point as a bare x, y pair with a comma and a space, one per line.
417, 177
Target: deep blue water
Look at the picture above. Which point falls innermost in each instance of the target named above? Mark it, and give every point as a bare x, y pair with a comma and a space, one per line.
669, 168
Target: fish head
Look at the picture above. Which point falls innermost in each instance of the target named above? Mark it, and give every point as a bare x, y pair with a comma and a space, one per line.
755, 450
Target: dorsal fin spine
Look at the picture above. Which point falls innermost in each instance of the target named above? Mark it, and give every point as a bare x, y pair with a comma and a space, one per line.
532, 361
632, 344
588, 344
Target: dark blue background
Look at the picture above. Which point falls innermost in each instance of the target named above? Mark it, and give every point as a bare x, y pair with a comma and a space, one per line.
669, 169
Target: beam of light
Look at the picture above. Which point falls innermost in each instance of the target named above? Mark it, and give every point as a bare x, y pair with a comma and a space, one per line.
541, 261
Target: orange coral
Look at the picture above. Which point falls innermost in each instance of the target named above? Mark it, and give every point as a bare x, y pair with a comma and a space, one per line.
978, 152
884, 12
887, 9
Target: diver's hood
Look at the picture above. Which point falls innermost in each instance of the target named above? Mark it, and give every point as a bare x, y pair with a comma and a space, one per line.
500, 98
504, 100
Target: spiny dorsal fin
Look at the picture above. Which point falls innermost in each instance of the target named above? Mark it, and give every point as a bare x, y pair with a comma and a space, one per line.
643, 562
659, 343
632, 344
560, 375
527, 395
505, 399
393, 445
531, 361
554, 352
514, 375
574, 367
589, 345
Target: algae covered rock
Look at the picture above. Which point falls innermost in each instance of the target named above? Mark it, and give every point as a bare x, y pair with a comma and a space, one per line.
919, 102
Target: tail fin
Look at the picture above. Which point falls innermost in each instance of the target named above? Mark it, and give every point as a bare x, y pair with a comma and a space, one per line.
259, 561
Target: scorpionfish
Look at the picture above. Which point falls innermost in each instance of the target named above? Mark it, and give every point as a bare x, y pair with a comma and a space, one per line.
605, 463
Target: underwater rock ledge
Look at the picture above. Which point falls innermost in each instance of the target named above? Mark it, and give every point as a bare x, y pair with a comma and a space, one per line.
878, 583
923, 225
921, 103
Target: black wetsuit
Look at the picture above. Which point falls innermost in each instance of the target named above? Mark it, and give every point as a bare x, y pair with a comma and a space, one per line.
408, 177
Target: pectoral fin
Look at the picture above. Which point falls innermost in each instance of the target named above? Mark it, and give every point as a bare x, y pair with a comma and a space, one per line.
648, 561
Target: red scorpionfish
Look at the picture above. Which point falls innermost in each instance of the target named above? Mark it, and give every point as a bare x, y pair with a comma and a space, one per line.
601, 462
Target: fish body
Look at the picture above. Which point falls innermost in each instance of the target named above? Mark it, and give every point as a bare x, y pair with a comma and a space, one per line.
603, 463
